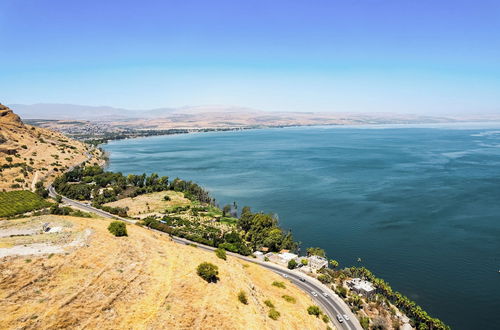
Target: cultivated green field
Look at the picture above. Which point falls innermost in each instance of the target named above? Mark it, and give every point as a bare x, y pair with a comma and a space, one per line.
20, 201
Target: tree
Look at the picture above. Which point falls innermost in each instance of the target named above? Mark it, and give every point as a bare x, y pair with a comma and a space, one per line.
9, 159
316, 251
40, 190
226, 211
118, 228
334, 263
314, 310
246, 219
208, 272
304, 262
292, 264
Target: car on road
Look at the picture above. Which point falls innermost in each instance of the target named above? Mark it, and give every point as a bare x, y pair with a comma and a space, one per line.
285, 275
339, 318
314, 293
346, 317
302, 279
325, 294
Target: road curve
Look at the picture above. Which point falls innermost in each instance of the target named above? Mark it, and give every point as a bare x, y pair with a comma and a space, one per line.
331, 305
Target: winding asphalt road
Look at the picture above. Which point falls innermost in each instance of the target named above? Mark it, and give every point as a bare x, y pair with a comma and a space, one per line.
331, 304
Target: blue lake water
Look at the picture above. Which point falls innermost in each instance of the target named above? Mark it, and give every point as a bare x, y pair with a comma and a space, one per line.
420, 205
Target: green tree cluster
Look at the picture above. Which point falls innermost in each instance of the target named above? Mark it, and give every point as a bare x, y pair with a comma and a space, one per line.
263, 230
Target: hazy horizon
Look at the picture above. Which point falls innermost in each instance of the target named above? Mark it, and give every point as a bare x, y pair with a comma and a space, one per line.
426, 57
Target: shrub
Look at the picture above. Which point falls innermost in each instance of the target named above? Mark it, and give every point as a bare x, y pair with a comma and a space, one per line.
314, 310
242, 297
365, 322
221, 253
166, 198
280, 285
269, 303
118, 228
208, 272
292, 264
304, 262
324, 278
274, 314
289, 299
325, 318
341, 291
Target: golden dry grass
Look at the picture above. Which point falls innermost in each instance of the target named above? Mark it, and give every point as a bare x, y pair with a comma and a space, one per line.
143, 281
151, 203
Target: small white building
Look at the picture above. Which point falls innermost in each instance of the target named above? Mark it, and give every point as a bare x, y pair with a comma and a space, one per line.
287, 256
259, 255
281, 258
362, 287
317, 262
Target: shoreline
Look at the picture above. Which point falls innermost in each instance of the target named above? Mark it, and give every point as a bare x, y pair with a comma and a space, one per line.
378, 279
466, 125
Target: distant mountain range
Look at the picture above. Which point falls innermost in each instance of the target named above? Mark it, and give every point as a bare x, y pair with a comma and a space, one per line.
219, 116
86, 112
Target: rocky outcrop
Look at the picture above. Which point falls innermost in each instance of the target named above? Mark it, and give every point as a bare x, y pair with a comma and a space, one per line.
7, 116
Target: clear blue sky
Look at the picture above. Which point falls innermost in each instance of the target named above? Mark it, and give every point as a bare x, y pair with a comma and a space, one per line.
420, 56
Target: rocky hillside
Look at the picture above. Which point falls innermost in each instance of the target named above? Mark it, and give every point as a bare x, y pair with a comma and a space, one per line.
81, 276
29, 154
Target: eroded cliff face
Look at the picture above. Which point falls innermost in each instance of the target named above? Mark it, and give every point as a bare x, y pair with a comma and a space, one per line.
8, 117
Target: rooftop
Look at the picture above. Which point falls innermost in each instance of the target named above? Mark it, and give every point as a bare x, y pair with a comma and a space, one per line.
360, 284
288, 256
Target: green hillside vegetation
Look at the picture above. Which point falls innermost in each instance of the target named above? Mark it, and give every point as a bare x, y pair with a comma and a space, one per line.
201, 221
19, 202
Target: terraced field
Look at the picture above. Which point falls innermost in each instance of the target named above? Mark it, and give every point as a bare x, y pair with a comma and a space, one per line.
20, 201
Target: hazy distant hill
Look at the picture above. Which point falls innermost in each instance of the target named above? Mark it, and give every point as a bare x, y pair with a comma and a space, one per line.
220, 116
86, 112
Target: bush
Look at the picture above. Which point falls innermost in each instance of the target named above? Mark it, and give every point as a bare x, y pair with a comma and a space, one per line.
365, 322
289, 299
292, 264
325, 318
166, 198
221, 253
314, 310
208, 272
280, 285
274, 314
341, 291
242, 297
324, 278
118, 228
269, 303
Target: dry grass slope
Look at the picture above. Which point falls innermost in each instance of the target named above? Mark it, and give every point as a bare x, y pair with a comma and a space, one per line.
143, 281
29, 154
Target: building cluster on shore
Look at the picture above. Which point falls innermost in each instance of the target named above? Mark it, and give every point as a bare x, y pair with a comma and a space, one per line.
307, 264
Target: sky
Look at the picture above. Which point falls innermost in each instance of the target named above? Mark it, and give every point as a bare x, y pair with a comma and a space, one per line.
406, 56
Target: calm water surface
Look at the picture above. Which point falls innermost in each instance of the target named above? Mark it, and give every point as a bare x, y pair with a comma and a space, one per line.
419, 205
